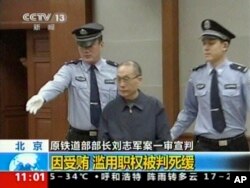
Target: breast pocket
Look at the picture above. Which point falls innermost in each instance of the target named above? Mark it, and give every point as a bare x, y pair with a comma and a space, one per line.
79, 84
200, 93
231, 92
108, 92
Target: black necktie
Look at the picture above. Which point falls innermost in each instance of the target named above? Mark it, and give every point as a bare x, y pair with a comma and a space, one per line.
95, 106
217, 115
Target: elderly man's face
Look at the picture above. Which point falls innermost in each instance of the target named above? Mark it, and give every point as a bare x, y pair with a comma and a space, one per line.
128, 82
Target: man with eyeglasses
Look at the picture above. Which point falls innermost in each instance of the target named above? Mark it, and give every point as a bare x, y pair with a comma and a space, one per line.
89, 77
133, 116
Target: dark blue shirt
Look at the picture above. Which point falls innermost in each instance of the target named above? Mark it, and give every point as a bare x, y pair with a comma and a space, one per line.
143, 120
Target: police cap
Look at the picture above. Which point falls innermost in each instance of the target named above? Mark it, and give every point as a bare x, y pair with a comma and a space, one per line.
87, 34
212, 30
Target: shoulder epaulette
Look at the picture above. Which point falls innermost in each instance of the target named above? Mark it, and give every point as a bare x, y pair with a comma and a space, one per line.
239, 67
73, 62
112, 63
199, 67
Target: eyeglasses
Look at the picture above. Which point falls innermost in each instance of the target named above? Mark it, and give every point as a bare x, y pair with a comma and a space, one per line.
125, 79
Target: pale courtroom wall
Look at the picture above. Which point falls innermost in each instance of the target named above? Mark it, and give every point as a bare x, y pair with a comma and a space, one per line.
133, 31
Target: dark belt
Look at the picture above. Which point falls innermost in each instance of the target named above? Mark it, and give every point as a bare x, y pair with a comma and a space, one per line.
220, 142
82, 132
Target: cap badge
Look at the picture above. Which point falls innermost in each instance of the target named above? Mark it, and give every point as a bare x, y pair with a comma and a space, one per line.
207, 24
83, 32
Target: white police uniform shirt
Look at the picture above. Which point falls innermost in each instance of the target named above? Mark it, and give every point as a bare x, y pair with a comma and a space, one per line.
75, 76
234, 88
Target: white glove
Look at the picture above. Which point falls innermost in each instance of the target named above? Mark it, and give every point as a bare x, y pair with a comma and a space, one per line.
34, 104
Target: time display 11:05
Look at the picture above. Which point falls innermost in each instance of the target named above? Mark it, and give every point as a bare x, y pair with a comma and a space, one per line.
30, 176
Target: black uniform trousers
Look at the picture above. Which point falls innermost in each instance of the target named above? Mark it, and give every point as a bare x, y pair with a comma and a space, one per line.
234, 144
80, 135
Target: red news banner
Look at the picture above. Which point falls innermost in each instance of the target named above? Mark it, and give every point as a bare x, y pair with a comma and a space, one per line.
24, 179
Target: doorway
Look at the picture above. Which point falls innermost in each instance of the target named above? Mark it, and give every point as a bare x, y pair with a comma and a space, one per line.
13, 85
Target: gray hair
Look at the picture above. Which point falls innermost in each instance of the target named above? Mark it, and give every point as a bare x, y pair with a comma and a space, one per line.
136, 66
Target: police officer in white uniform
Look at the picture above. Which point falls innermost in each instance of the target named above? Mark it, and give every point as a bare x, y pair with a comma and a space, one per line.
220, 126
75, 76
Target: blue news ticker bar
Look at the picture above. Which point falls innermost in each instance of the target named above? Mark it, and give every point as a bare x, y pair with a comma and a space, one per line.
202, 161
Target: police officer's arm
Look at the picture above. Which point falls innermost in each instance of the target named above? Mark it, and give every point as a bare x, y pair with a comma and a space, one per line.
50, 90
246, 89
187, 116
57, 86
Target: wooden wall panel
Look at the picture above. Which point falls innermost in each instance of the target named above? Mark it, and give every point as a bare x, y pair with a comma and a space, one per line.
41, 48
14, 125
11, 12
38, 61
44, 128
170, 50
42, 73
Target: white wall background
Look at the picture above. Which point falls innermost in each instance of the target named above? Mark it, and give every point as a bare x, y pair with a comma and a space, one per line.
233, 14
133, 31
